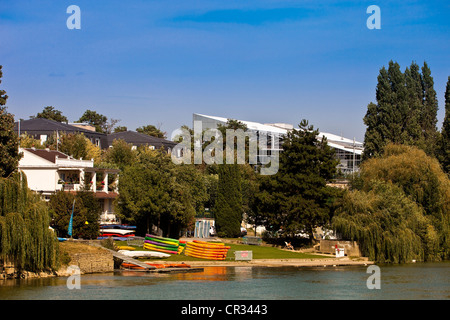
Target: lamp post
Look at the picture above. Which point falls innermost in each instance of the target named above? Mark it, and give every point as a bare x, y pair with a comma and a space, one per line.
20, 119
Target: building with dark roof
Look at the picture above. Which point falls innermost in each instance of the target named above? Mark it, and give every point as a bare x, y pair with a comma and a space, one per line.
42, 129
137, 139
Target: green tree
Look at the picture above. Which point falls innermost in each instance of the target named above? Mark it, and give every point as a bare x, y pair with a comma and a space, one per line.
27, 141
379, 117
95, 119
402, 208
151, 130
250, 189
3, 96
153, 191
74, 145
228, 207
297, 199
419, 175
9, 143
413, 130
444, 155
121, 154
52, 114
86, 213
25, 237
120, 129
405, 111
428, 117
386, 223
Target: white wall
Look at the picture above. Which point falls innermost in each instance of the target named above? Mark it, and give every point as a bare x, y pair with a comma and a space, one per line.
41, 179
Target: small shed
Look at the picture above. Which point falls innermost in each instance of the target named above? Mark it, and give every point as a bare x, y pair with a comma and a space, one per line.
203, 227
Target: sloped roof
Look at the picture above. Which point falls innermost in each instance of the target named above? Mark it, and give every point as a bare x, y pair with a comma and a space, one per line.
46, 154
138, 139
251, 125
42, 124
335, 141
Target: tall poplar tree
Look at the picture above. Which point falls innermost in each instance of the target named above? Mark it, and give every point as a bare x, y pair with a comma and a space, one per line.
414, 90
428, 119
405, 111
445, 133
9, 142
228, 208
379, 117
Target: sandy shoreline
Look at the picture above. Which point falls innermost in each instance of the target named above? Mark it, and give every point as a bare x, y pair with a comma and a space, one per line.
277, 263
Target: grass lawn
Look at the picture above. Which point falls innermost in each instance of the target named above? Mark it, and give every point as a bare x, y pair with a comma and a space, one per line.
259, 252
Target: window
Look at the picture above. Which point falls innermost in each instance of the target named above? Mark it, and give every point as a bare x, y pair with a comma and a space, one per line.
43, 138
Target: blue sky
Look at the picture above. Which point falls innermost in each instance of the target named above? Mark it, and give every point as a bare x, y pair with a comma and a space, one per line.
157, 62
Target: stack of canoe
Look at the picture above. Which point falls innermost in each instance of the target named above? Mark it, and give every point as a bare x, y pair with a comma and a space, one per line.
182, 246
166, 245
206, 250
117, 232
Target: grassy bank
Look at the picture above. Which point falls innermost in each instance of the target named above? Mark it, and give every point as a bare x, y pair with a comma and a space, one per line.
259, 252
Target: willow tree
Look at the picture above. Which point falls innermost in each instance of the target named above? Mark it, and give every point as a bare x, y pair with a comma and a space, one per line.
387, 225
25, 237
402, 210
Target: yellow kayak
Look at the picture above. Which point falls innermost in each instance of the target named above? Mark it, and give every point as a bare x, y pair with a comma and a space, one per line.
207, 250
220, 244
126, 248
206, 247
212, 257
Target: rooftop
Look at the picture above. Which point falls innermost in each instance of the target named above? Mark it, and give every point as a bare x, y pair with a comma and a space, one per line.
138, 139
333, 140
42, 124
47, 154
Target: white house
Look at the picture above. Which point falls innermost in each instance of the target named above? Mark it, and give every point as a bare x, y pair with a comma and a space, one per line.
49, 171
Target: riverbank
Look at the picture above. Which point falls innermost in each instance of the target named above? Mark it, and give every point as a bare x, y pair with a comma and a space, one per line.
263, 256
94, 259
319, 262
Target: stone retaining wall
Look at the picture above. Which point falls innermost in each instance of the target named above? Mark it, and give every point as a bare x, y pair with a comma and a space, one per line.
93, 262
87, 262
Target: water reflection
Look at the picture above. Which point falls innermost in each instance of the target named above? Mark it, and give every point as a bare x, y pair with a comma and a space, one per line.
419, 281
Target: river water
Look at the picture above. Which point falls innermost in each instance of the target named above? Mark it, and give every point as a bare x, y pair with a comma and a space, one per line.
411, 281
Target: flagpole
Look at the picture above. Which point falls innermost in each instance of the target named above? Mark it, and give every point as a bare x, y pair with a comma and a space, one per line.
69, 231
57, 140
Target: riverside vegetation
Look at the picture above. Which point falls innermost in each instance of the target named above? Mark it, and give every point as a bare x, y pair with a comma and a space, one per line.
397, 208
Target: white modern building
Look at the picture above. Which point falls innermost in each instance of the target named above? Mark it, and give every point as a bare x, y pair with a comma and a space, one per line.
348, 151
49, 171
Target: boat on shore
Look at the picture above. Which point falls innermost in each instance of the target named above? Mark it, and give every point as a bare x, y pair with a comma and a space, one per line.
144, 254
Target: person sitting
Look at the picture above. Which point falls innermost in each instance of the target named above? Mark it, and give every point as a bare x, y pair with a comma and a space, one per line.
289, 246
